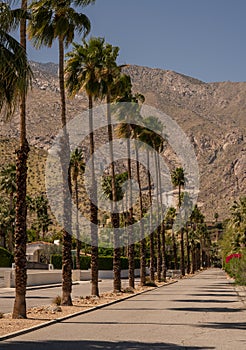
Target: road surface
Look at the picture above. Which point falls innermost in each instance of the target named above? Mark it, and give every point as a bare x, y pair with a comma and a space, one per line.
203, 312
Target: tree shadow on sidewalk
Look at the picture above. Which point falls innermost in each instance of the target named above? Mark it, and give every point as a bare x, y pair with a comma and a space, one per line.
224, 325
96, 345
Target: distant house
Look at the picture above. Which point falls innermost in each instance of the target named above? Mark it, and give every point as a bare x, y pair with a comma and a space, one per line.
36, 251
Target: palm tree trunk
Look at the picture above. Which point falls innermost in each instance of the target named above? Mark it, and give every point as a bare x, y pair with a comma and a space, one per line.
158, 232
188, 250
131, 250
174, 248
19, 310
65, 157
93, 210
114, 214
182, 260
143, 240
152, 249
78, 242
163, 234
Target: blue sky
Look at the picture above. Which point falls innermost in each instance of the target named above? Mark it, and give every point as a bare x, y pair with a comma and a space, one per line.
204, 39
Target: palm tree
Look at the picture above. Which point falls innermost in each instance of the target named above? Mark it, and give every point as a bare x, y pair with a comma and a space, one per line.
146, 137
110, 79
58, 20
15, 78
187, 204
196, 218
170, 217
82, 68
158, 145
15, 73
178, 179
76, 165
40, 206
125, 130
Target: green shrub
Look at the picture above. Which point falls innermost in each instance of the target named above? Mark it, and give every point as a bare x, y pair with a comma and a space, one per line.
104, 262
236, 268
85, 262
56, 260
6, 258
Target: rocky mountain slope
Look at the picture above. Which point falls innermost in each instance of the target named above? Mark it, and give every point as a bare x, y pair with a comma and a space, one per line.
213, 116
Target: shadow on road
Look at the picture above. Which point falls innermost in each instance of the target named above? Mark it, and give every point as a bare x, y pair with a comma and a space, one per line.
213, 295
205, 309
96, 345
204, 301
224, 325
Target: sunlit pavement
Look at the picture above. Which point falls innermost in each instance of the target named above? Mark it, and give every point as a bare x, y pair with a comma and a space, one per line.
203, 312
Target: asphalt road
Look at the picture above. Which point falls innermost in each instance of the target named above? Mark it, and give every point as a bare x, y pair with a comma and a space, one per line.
44, 296
203, 312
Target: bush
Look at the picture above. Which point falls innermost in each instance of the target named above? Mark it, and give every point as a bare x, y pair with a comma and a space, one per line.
56, 260
235, 266
104, 262
85, 262
6, 258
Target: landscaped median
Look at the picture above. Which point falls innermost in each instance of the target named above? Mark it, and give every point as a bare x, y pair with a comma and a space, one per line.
42, 316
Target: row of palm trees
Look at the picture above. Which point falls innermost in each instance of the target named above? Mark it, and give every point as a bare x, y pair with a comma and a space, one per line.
90, 67
48, 20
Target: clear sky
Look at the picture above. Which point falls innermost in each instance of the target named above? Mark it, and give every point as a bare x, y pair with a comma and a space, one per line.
205, 39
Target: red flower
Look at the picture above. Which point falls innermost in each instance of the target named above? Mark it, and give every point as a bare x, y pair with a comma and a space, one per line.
234, 255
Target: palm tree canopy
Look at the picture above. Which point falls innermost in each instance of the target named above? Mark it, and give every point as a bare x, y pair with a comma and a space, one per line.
8, 179
83, 67
57, 20
77, 162
196, 215
178, 177
119, 181
15, 72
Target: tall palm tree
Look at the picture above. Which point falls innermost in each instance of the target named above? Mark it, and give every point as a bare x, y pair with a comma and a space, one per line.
58, 20
110, 79
15, 78
83, 65
178, 179
130, 130
196, 218
125, 130
156, 141
170, 217
146, 137
77, 165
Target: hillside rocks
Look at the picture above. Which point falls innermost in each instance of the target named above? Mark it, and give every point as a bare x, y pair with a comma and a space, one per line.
213, 116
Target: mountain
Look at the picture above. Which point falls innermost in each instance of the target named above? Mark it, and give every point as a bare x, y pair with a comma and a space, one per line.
213, 116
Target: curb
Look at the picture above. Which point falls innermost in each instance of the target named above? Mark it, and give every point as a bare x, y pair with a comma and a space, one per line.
57, 320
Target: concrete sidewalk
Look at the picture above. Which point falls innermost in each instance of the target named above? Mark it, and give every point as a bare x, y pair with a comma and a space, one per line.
203, 312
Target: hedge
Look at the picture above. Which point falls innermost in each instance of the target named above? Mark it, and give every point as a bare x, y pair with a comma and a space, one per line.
104, 262
6, 258
56, 260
